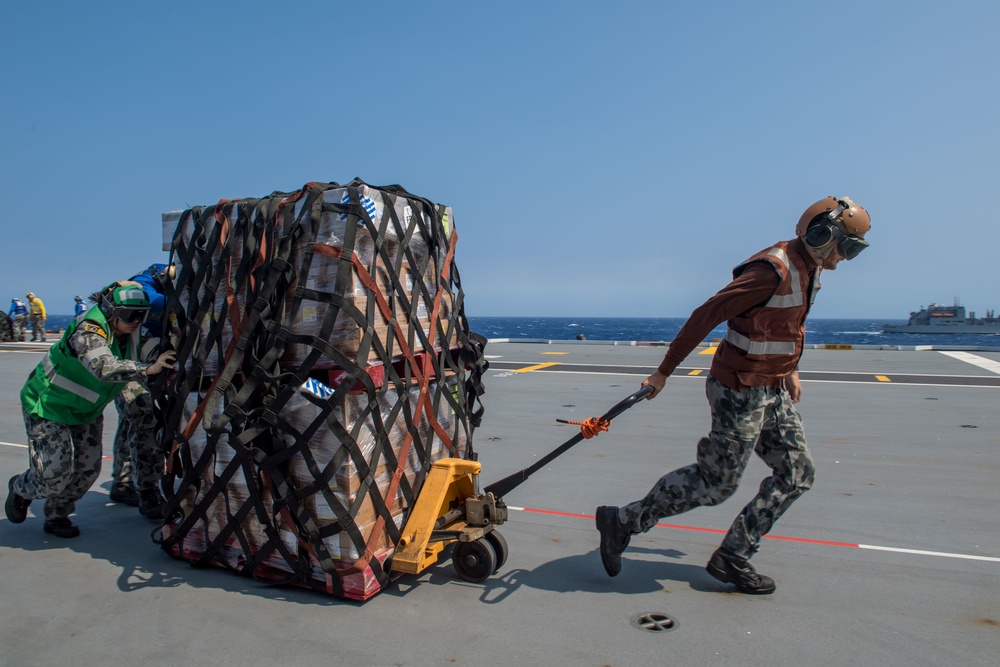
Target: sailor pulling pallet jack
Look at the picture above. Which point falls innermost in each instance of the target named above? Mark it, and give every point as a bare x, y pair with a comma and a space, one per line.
751, 388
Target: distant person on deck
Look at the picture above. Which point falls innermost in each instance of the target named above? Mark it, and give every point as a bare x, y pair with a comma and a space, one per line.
37, 310
751, 389
18, 318
79, 307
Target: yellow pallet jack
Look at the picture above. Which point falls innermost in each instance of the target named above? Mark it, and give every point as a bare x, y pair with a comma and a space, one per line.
450, 509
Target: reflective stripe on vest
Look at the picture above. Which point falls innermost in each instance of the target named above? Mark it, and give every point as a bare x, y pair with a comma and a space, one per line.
66, 384
759, 347
792, 300
773, 331
62, 389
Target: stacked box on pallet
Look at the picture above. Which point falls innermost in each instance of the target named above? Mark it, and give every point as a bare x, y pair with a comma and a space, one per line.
218, 251
217, 494
319, 493
318, 260
228, 499
363, 480
393, 271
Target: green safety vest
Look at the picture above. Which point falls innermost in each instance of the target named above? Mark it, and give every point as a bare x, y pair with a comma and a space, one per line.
62, 389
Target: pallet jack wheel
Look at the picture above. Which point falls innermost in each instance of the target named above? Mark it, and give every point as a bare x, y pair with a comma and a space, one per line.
499, 545
474, 561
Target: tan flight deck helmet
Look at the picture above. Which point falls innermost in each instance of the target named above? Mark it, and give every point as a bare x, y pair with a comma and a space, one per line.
834, 221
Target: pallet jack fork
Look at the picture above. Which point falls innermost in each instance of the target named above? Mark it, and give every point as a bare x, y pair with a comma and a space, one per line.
450, 509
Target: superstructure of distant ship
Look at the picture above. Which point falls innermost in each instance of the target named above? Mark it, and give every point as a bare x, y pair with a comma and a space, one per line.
936, 319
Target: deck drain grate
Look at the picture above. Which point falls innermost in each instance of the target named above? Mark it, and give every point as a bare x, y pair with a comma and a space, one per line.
654, 621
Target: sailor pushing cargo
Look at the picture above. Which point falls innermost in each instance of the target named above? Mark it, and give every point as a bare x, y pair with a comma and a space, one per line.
63, 403
138, 459
751, 389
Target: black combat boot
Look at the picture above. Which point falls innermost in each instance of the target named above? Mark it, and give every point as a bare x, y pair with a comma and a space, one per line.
732, 569
151, 504
16, 507
124, 495
61, 527
614, 539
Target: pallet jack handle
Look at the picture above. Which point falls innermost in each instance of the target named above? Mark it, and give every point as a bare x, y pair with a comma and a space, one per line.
511, 482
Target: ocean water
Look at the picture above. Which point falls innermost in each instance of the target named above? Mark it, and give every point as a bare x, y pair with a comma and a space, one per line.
818, 331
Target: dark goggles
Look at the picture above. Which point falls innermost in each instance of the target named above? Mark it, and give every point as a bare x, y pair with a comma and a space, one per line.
849, 246
132, 315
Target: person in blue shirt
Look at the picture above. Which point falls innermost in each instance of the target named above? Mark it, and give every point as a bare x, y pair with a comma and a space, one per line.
80, 308
138, 460
18, 314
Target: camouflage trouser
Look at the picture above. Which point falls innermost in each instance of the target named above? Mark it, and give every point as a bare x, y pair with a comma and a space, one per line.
65, 461
761, 419
19, 325
37, 327
138, 462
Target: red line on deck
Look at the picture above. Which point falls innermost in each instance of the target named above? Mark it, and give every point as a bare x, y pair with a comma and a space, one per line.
672, 526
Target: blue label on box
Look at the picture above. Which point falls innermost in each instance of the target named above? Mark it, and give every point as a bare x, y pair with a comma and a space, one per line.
367, 203
317, 388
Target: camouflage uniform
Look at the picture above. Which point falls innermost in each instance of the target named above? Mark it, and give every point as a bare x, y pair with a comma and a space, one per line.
65, 460
19, 326
757, 419
138, 463
37, 316
37, 327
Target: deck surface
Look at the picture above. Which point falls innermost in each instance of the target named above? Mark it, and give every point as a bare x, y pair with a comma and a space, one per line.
893, 558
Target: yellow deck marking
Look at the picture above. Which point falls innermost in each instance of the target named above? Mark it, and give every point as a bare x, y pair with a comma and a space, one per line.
555, 352
708, 350
536, 367
696, 371
882, 378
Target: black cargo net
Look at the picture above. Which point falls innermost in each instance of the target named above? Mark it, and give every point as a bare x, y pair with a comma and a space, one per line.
6, 327
324, 363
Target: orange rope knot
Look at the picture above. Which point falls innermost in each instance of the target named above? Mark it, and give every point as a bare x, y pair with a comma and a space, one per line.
592, 426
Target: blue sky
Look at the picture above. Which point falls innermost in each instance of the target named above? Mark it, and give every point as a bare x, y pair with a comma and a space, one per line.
602, 159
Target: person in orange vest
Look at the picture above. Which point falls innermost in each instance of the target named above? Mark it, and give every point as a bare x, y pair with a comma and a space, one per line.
752, 388
37, 316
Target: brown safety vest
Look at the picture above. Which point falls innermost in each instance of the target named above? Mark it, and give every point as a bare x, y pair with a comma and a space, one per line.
763, 344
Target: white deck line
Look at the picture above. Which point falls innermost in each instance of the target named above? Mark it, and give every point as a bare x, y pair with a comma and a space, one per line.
975, 360
626, 367
502, 373
939, 554
870, 547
